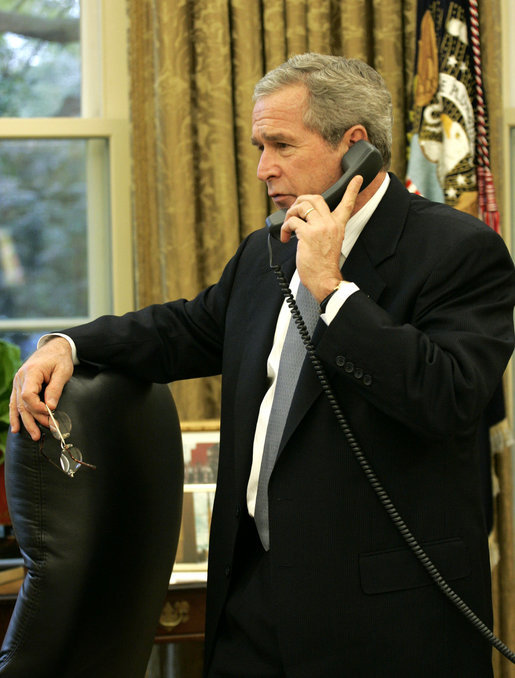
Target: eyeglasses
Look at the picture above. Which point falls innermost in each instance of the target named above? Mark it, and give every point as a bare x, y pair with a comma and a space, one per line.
71, 457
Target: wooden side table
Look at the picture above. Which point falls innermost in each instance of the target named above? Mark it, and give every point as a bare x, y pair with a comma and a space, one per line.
182, 617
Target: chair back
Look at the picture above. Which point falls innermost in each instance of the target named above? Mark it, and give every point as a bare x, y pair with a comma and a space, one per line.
98, 547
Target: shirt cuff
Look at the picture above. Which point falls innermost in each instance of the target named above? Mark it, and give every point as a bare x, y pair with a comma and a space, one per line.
337, 300
46, 337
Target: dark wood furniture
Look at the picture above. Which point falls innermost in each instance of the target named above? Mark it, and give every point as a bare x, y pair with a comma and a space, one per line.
183, 614
182, 617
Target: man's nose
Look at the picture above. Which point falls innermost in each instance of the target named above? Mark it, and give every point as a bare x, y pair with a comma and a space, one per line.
267, 167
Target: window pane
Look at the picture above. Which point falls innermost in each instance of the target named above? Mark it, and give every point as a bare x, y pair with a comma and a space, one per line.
43, 228
40, 57
27, 341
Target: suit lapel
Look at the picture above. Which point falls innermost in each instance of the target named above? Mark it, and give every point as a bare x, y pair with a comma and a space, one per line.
380, 237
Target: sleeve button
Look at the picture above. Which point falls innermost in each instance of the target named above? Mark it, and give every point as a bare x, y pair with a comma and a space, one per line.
340, 360
367, 380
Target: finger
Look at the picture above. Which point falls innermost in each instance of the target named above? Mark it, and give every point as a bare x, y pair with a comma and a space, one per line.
298, 214
30, 425
54, 389
303, 209
29, 407
288, 230
291, 223
14, 418
18, 415
306, 205
29, 392
346, 206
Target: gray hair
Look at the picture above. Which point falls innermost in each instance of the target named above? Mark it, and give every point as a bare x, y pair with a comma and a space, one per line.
342, 93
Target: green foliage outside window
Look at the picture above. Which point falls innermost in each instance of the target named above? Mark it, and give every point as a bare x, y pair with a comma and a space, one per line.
9, 364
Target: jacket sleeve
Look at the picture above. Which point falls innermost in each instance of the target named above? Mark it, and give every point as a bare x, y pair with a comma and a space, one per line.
162, 342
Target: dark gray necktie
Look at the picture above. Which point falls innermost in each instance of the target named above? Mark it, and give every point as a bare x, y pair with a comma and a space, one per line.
292, 357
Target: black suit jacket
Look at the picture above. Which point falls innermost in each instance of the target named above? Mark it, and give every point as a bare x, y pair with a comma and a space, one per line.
413, 359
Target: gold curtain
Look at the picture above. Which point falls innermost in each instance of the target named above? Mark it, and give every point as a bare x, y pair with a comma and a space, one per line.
193, 66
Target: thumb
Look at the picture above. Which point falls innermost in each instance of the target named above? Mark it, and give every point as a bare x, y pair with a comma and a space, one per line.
54, 389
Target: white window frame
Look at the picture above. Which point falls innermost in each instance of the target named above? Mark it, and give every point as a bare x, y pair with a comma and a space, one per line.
104, 116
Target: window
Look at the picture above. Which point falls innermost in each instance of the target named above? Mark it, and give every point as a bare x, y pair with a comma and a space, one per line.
65, 242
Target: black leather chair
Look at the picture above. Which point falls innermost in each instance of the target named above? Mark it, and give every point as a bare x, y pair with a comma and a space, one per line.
98, 547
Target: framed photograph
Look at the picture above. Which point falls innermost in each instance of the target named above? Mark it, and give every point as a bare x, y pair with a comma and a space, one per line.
201, 442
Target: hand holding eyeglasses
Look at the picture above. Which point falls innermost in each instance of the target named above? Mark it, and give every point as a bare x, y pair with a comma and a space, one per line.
51, 366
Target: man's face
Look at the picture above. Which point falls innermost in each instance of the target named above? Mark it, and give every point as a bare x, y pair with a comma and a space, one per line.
294, 160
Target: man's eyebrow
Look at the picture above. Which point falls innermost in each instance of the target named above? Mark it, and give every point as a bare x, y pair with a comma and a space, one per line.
279, 137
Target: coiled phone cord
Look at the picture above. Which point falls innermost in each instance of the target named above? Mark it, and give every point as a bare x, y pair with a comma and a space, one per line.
374, 481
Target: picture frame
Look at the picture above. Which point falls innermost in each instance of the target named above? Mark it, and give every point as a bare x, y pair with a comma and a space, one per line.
201, 440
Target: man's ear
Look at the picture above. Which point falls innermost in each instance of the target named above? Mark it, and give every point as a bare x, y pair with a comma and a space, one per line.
355, 133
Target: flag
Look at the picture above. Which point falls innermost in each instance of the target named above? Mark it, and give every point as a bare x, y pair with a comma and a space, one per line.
448, 136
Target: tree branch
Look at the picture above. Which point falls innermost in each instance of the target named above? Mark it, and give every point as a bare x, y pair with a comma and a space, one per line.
61, 30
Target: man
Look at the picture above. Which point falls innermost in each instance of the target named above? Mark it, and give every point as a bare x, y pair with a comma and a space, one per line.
414, 333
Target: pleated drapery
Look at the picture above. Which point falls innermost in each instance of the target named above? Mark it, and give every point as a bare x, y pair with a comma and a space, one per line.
193, 66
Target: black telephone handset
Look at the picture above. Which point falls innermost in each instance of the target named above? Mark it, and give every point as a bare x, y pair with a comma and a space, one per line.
361, 158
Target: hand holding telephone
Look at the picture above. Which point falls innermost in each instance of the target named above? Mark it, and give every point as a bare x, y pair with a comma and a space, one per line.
361, 158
